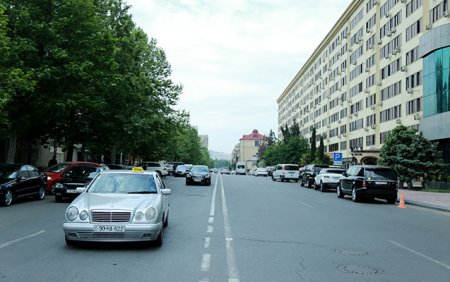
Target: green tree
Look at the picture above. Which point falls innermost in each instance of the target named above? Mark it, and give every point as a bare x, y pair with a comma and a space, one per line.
313, 146
411, 155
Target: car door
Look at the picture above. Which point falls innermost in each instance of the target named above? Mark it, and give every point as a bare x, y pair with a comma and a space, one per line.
34, 180
346, 181
165, 198
22, 183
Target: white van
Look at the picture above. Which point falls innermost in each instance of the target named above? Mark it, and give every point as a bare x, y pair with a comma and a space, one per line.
240, 168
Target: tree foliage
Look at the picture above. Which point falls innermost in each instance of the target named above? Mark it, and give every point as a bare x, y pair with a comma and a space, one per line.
81, 72
411, 155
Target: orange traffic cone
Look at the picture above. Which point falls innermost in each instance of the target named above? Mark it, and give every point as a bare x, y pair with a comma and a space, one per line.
401, 205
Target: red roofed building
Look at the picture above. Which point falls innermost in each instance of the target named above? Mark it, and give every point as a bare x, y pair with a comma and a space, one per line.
247, 149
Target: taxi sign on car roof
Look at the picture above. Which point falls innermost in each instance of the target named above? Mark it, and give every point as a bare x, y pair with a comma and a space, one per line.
138, 169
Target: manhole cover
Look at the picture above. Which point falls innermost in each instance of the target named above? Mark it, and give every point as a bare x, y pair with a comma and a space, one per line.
360, 269
350, 252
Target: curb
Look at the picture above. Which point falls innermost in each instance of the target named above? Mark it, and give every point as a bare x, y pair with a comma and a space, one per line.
428, 206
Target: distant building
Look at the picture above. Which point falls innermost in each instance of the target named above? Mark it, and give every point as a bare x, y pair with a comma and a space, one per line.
204, 140
247, 149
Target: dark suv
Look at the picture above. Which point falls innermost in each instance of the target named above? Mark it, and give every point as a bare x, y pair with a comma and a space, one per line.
368, 181
309, 173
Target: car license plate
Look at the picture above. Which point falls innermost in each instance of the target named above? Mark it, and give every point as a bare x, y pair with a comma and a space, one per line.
71, 191
109, 228
380, 182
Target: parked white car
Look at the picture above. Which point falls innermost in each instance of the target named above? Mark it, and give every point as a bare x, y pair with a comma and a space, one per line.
158, 167
286, 172
328, 178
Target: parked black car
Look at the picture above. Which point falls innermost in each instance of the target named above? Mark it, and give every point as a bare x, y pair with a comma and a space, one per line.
21, 180
78, 176
368, 181
309, 173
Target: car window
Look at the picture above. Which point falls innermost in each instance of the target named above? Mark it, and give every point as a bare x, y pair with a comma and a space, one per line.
339, 171
381, 173
360, 171
199, 169
352, 170
291, 167
8, 173
58, 167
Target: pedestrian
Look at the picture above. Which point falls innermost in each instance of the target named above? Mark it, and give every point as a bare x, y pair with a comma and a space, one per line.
52, 161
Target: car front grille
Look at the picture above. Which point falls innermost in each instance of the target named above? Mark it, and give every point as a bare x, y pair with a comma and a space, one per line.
111, 216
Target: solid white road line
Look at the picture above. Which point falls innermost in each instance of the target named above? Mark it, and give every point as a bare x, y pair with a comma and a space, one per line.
233, 273
210, 229
211, 219
420, 254
213, 200
20, 239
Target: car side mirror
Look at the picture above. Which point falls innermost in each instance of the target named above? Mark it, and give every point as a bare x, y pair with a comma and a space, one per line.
345, 174
166, 192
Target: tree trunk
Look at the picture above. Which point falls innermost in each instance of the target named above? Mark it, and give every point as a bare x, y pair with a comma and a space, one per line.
410, 185
69, 156
12, 146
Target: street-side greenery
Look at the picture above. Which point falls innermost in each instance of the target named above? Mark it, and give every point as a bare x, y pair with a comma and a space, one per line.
81, 72
411, 155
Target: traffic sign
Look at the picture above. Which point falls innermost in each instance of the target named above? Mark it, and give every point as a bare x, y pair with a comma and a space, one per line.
337, 158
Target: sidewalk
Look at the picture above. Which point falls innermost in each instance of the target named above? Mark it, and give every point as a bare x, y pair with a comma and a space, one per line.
438, 201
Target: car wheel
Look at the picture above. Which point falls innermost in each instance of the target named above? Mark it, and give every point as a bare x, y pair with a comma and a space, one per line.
308, 184
159, 241
273, 179
322, 187
166, 221
40, 195
355, 196
7, 198
58, 198
339, 192
296, 181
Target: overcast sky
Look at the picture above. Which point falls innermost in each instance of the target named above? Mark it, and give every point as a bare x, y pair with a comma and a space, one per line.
234, 58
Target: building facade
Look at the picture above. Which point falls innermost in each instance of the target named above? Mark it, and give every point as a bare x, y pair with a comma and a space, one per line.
247, 149
377, 68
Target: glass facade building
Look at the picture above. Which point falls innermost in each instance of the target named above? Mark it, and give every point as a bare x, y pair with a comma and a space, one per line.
436, 87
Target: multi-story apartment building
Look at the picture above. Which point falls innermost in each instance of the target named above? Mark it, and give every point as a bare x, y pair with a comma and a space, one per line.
247, 149
384, 63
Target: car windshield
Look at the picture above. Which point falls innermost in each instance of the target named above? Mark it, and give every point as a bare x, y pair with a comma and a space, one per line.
8, 172
381, 173
200, 169
123, 184
241, 166
58, 167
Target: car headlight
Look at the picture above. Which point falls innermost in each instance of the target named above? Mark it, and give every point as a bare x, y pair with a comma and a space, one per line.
58, 185
207, 176
188, 175
72, 213
139, 216
83, 215
151, 214
49, 178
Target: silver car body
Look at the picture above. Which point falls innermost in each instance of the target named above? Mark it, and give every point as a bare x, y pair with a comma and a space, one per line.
118, 217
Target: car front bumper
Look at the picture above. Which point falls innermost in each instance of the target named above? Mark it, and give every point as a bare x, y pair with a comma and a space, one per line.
79, 231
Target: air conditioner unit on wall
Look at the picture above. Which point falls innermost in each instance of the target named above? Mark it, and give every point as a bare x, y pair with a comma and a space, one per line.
366, 129
398, 121
372, 107
373, 126
404, 68
417, 116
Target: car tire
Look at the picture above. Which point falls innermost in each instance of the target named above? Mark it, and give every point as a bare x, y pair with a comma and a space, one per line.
339, 192
322, 187
58, 198
159, 241
166, 221
296, 181
308, 184
273, 179
355, 196
40, 194
8, 198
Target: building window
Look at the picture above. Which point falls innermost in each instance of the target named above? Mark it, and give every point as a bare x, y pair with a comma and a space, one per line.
391, 113
357, 142
412, 6
413, 106
256, 143
412, 56
370, 140
436, 78
438, 12
413, 80
383, 136
357, 124
343, 145
391, 91
413, 30
333, 147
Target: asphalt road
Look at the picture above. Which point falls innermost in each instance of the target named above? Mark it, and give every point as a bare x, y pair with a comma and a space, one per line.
241, 228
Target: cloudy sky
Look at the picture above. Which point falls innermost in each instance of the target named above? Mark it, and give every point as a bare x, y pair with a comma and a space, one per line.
234, 58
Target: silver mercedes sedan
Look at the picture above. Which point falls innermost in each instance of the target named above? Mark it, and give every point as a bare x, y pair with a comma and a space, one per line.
119, 206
